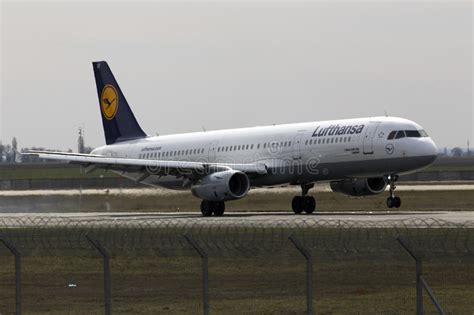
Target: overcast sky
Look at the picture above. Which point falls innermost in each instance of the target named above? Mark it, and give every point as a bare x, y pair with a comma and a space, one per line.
234, 64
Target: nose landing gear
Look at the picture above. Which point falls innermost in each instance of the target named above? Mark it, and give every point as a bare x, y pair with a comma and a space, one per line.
392, 200
304, 202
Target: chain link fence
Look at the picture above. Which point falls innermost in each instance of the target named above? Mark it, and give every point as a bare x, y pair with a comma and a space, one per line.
55, 235
357, 266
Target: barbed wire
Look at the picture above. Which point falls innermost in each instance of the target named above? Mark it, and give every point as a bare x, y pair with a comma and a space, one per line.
148, 235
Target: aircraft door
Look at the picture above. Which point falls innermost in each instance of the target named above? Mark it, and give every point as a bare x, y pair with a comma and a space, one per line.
368, 141
213, 151
297, 145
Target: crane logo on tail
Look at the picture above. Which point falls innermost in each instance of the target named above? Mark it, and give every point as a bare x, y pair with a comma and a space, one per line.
109, 101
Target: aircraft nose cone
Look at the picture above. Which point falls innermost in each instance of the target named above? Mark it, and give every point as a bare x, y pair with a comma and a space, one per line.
431, 151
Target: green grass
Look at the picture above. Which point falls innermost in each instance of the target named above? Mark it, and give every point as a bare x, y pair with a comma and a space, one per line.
55, 171
450, 168
344, 284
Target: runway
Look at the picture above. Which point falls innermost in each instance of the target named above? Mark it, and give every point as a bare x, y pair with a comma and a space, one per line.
261, 219
319, 187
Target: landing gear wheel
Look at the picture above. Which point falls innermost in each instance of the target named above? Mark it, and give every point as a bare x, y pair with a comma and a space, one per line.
397, 202
210, 207
390, 202
297, 204
219, 209
207, 208
309, 204
393, 201
304, 203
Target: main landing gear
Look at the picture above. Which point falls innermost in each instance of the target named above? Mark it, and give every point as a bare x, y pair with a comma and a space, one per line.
392, 201
210, 207
304, 202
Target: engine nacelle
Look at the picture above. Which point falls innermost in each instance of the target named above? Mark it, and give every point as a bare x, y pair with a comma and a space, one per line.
360, 187
222, 186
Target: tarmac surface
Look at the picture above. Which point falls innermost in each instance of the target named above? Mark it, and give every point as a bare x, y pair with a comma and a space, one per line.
319, 187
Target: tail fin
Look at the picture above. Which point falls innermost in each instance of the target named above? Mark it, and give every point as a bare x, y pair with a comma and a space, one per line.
117, 118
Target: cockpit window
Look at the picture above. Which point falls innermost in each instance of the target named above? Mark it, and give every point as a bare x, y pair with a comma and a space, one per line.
391, 135
397, 134
412, 133
423, 133
400, 134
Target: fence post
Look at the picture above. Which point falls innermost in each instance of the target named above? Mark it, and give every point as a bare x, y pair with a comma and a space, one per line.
309, 272
17, 255
205, 274
106, 262
420, 282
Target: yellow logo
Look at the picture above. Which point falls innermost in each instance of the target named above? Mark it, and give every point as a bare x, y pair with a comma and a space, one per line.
109, 101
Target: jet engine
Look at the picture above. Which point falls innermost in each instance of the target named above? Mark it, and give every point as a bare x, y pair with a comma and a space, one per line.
222, 186
360, 187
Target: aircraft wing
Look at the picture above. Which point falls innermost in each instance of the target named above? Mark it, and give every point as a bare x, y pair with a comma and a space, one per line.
151, 167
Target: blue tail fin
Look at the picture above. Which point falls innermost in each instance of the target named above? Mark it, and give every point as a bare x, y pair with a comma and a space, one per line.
117, 118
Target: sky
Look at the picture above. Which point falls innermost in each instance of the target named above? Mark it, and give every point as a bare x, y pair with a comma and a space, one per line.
185, 66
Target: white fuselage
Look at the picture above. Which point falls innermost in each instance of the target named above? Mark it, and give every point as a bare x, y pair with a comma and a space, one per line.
293, 153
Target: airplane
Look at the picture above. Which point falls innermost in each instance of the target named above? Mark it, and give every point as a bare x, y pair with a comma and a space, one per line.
358, 157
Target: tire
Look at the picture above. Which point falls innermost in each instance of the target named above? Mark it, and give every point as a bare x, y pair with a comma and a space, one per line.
219, 208
206, 208
397, 202
310, 204
390, 202
297, 204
